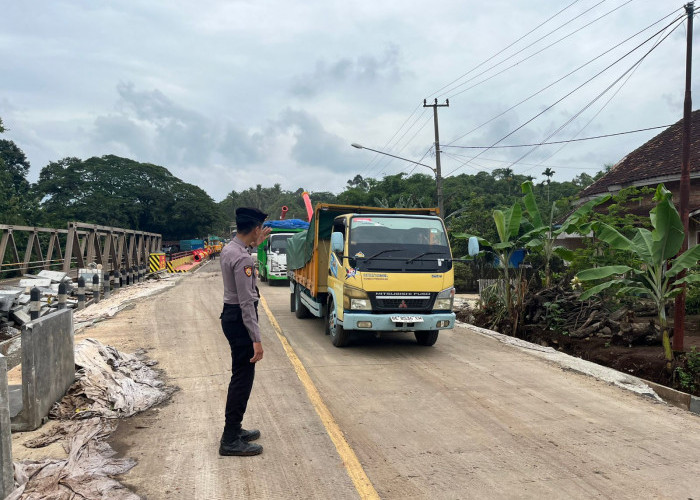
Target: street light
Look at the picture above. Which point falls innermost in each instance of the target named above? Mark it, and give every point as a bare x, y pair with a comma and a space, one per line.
433, 169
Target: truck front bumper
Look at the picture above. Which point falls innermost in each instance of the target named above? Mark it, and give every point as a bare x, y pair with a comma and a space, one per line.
385, 323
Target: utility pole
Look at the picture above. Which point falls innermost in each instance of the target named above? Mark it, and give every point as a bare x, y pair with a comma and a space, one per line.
438, 174
679, 309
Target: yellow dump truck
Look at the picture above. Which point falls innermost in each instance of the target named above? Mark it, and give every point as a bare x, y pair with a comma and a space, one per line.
369, 269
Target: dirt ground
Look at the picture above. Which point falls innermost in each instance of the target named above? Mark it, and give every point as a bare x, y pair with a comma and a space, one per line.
643, 361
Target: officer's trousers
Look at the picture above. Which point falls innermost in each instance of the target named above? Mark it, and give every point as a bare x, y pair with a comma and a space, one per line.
242, 370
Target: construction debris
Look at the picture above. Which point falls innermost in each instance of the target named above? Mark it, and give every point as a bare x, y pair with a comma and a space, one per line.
85, 474
14, 300
109, 385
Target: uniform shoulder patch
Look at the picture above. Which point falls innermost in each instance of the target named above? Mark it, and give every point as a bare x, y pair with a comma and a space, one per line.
248, 271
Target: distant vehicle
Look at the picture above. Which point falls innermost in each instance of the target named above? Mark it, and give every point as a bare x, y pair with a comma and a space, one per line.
272, 254
373, 269
189, 245
171, 249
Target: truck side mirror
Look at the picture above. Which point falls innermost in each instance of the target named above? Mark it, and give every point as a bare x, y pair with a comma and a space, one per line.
337, 242
473, 246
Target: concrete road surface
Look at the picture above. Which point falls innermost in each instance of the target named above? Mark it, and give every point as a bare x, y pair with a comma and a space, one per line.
467, 418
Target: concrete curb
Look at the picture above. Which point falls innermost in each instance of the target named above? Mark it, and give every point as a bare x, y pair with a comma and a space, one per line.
7, 482
48, 367
567, 362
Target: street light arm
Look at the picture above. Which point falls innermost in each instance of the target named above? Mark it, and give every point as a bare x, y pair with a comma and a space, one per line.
359, 146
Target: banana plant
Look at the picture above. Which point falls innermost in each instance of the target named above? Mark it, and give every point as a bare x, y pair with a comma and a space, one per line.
508, 227
543, 236
657, 249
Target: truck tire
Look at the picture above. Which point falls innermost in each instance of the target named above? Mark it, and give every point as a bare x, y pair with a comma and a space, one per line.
292, 301
263, 276
339, 335
427, 337
300, 310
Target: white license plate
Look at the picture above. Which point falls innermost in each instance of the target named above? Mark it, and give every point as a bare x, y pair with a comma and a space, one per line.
406, 319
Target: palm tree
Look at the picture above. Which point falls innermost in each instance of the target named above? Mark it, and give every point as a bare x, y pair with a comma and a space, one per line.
548, 173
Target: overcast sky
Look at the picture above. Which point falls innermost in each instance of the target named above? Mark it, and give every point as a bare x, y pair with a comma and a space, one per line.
229, 94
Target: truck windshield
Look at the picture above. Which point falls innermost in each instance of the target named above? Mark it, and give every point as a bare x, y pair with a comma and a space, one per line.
385, 243
278, 242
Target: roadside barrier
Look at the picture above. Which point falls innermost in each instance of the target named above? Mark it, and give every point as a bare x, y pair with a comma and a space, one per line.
35, 301
106, 283
48, 368
96, 288
156, 261
81, 293
7, 483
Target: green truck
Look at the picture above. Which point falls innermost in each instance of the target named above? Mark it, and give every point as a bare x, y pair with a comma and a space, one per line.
272, 253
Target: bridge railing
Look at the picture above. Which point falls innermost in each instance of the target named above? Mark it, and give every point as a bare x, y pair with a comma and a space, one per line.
74, 247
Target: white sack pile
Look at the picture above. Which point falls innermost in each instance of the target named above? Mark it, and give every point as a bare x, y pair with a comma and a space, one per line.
110, 384
85, 474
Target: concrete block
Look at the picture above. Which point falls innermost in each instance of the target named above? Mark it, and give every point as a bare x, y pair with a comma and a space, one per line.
38, 282
6, 469
55, 276
694, 404
48, 367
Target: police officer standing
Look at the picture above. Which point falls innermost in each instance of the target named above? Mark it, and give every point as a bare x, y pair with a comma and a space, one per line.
239, 320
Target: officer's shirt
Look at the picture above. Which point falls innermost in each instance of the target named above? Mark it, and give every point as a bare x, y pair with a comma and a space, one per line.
239, 283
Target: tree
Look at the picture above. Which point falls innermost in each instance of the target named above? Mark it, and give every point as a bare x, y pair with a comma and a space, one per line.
16, 206
114, 191
359, 183
508, 226
658, 250
543, 236
548, 173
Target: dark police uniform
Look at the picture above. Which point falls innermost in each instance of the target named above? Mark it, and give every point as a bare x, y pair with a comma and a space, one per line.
239, 321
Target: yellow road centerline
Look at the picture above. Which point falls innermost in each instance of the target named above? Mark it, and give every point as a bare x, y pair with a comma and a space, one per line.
352, 464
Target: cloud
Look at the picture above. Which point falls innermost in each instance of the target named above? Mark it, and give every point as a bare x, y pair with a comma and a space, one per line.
364, 70
149, 126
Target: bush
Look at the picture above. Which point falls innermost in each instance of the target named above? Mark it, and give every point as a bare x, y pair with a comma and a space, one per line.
689, 374
464, 278
692, 299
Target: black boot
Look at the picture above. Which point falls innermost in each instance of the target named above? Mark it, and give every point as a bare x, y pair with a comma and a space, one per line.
250, 435
239, 448
244, 434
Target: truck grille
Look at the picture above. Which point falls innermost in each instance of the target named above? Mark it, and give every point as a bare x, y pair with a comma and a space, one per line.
402, 301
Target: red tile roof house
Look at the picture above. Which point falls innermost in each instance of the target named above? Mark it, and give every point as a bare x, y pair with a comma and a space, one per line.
656, 161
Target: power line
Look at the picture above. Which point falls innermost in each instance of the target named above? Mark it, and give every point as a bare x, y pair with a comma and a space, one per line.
559, 142
601, 94
565, 76
459, 157
382, 165
590, 120
505, 48
409, 141
377, 155
573, 91
366, 168
528, 57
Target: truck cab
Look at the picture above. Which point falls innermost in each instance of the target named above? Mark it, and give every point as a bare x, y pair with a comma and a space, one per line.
377, 271
273, 264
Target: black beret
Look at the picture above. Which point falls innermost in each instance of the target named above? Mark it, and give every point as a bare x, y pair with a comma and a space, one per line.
250, 214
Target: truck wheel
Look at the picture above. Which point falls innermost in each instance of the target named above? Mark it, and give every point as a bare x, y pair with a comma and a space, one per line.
292, 301
339, 335
427, 338
300, 310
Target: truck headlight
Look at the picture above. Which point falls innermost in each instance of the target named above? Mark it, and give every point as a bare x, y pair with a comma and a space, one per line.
355, 299
445, 299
